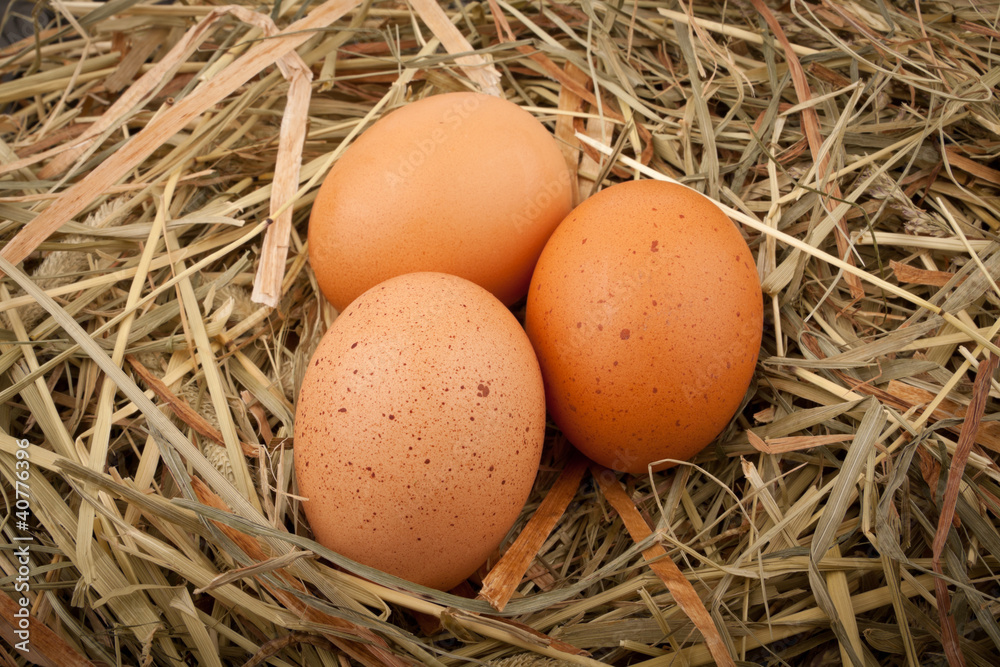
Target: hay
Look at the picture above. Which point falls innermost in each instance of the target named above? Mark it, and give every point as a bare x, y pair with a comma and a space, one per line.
158, 313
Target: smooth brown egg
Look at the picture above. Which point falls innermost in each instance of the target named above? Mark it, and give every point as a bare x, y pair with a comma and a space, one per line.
461, 183
645, 311
419, 428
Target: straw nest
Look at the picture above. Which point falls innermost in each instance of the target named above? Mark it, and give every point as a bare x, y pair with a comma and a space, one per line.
158, 310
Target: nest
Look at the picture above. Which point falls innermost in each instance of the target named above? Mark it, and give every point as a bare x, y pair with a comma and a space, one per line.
157, 166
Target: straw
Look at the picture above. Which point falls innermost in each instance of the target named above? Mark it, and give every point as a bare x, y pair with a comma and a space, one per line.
158, 163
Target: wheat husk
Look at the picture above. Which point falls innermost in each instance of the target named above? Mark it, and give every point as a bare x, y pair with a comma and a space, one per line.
157, 167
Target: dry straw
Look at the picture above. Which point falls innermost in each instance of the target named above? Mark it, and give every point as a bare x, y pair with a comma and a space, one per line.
157, 164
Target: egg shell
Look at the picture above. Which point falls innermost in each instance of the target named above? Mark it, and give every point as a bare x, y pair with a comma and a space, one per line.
646, 314
419, 428
460, 183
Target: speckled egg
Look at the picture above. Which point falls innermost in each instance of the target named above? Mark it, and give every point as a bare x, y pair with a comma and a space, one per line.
461, 183
419, 428
646, 314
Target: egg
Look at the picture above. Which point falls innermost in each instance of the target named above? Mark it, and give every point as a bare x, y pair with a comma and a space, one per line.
645, 311
460, 183
419, 428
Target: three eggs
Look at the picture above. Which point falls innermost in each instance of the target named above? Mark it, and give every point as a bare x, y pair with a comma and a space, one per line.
420, 421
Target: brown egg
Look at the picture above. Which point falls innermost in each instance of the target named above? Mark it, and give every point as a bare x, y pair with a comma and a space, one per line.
418, 428
646, 314
461, 183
